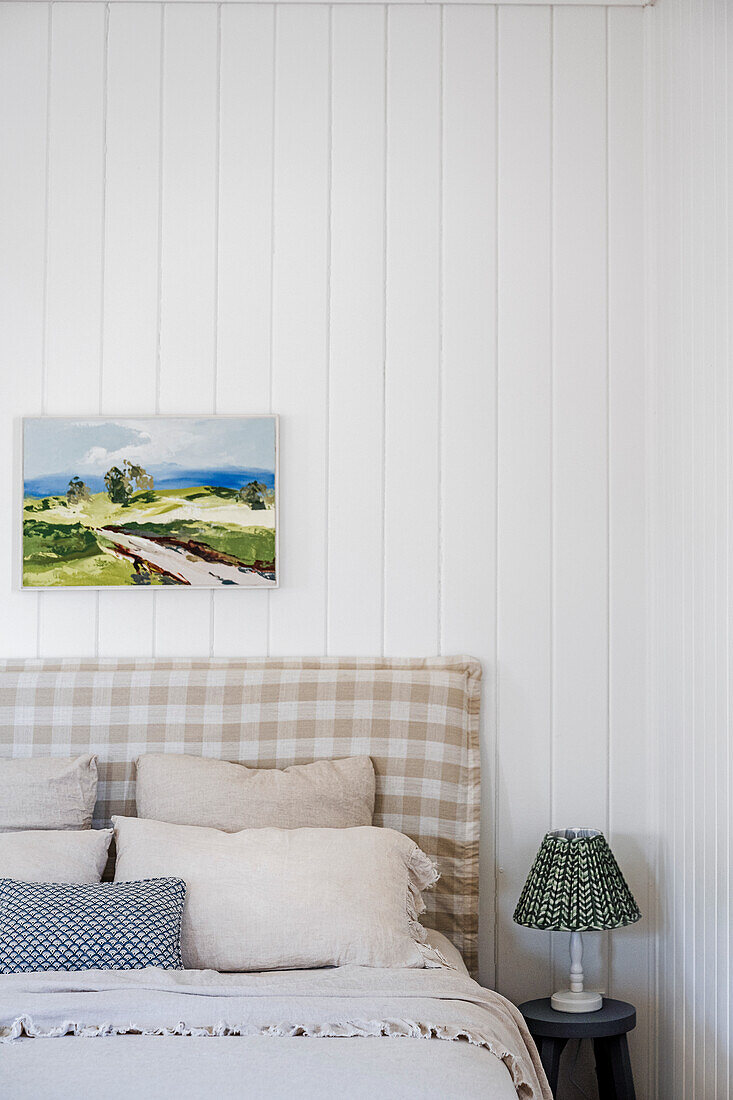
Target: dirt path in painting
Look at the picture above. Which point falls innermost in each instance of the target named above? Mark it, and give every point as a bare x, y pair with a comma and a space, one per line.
180, 563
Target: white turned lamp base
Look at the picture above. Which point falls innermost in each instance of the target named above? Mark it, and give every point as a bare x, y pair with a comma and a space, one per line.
567, 1001
576, 999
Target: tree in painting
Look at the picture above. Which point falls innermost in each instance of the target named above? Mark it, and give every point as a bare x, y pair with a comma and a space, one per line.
119, 486
254, 495
77, 491
138, 474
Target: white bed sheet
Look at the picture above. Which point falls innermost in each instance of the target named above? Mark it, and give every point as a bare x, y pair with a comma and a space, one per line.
382, 1039
143, 1067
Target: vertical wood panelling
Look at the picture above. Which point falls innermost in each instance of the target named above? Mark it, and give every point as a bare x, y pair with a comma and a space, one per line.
356, 377
189, 204
580, 434
700, 521
68, 620
24, 46
706, 917
190, 82
468, 379
400, 231
240, 622
628, 786
524, 614
131, 252
681, 504
411, 481
132, 182
681, 618
723, 756
670, 687
300, 323
687, 395
691, 544
76, 140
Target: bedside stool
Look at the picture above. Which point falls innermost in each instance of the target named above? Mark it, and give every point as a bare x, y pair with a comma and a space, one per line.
607, 1028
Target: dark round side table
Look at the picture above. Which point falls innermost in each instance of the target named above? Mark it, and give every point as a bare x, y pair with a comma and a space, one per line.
607, 1028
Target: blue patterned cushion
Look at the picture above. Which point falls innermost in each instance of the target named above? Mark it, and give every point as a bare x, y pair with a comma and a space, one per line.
86, 926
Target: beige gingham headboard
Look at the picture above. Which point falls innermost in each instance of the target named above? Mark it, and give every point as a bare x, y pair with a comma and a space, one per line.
416, 719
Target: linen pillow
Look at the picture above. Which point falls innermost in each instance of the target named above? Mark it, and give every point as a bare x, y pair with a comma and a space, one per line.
266, 899
54, 855
101, 926
47, 793
196, 790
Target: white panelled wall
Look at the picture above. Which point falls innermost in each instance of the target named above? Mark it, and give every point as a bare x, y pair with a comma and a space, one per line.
416, 233
690, 206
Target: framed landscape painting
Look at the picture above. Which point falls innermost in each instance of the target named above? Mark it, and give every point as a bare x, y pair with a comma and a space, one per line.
122, 502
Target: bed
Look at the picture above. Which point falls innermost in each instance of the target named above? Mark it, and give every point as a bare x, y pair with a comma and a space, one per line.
279, 1033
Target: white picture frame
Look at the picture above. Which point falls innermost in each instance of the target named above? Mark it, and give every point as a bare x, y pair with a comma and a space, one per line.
125, 518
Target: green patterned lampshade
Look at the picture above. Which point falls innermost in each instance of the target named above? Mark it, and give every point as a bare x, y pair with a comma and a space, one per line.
575, 885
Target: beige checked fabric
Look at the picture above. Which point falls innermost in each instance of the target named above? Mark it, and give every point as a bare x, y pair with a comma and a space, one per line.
416, 719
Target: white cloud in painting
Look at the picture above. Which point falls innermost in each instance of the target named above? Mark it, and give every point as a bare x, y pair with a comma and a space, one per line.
169, 443
57, 445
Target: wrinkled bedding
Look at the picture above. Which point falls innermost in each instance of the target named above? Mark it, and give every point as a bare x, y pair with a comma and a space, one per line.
348, 1001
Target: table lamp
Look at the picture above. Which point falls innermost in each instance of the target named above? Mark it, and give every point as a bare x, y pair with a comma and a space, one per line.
575, 885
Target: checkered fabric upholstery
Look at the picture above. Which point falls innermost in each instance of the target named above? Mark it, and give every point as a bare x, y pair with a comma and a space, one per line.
417, 720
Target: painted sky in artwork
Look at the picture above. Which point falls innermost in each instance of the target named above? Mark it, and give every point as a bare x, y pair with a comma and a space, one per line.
58, 446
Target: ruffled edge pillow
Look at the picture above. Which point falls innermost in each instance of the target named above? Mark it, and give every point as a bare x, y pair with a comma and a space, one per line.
268, 899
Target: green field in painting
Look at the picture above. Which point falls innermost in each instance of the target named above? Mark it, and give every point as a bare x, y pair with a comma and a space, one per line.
63, 543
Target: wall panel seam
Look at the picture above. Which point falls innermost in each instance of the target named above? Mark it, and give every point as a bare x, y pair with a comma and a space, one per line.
217, 248
724, 287
102, 268
159, 318
495, 670
649, 357
273, 254
273, 104
329, 364
609, 948
40, 602
441, 333
102, 264
385, 237
161, 121
217, 227
551, 456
